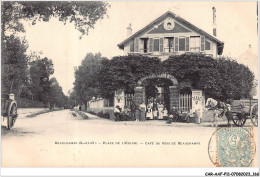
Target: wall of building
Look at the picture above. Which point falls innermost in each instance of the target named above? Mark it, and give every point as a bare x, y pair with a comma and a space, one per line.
99, 106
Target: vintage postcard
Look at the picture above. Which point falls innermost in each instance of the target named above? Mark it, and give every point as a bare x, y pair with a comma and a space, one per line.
129, 84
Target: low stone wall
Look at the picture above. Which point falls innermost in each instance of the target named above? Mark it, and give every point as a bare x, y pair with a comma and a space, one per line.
109, 110
24, 103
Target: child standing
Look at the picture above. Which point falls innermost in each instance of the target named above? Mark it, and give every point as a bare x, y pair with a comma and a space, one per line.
165, 113
155, 113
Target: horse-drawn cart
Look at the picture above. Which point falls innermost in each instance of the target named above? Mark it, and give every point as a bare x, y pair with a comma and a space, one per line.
9, 109
244, 109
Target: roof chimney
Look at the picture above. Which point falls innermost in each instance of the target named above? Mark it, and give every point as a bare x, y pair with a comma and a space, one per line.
214, 22
129, 30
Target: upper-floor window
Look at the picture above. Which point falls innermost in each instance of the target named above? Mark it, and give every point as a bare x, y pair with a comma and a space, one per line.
182, 44
168, 44
143, 45
195, 43
207, 45
156, 45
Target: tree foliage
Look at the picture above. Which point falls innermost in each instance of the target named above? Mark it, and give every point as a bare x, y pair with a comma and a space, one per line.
72, 99
14, 66
87, 77
40, 72
83, 14
219, 78
123, 72
55, 95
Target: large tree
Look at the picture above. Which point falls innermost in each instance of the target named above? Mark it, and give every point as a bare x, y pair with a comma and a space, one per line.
14, 65
87, 77
56, 96
40, 72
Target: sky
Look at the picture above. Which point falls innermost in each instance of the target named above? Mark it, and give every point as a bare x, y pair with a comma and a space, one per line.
236, 27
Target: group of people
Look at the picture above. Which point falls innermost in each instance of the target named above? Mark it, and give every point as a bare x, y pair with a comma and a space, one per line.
157, 111
120, 115
154, 110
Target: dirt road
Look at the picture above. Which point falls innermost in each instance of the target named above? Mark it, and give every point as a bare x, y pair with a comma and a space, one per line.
58, 139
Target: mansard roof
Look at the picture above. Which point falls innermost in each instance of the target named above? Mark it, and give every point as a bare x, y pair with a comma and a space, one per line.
220, 44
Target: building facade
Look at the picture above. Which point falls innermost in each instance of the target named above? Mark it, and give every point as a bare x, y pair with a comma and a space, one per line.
167, 35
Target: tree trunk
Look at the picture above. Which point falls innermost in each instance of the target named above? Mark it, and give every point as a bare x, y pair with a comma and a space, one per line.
51, 106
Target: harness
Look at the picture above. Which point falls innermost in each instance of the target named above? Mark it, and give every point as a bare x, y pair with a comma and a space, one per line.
216, 105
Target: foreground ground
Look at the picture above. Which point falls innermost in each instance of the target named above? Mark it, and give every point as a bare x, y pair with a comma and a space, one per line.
60, 139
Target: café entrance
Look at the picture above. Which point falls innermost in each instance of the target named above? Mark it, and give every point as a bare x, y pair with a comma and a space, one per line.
159, 87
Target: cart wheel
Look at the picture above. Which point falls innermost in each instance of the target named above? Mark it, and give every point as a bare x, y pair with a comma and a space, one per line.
12, 115
239, 119
254, 114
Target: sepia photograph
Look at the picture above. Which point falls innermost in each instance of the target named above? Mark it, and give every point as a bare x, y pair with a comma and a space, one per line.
130, 84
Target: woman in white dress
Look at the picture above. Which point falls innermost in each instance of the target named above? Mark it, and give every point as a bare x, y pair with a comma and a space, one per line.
160, 110
149, 114
142, 109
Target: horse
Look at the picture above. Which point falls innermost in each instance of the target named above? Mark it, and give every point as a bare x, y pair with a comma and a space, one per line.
217, 105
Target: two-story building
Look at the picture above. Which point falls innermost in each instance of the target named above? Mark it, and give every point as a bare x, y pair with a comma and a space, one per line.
167, 35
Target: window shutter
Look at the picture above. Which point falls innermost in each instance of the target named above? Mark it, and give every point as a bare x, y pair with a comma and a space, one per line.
176, 44
161, 44
150, 44
202, 39
187, 44
136, 44
132, 46
141, 45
